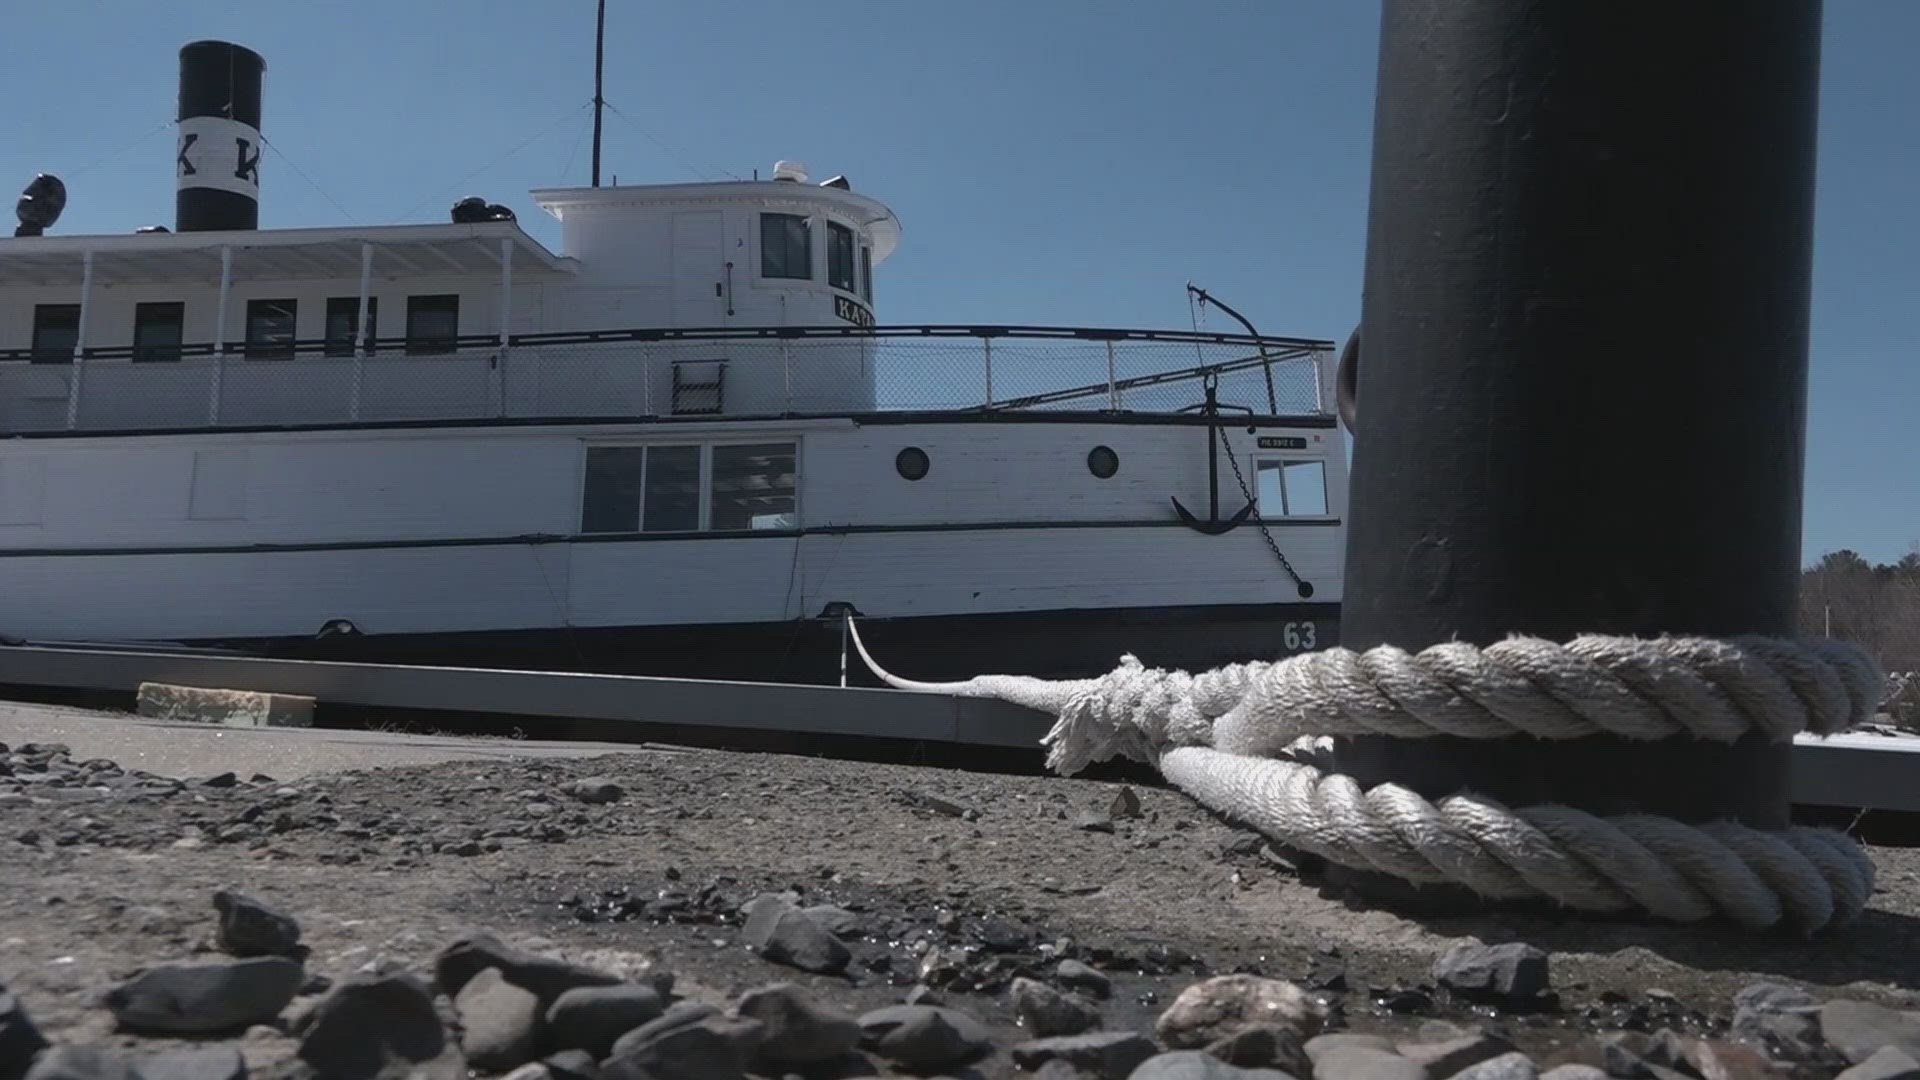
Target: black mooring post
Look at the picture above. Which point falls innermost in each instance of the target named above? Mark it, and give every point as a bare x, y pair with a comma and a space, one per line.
1583, 362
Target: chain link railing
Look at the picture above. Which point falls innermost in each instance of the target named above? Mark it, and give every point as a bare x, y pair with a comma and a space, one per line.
638, 374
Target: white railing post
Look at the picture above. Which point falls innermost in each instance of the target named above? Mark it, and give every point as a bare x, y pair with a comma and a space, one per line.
786, 370
646, 380
220, 334
80, 340
1113, 387
506, 320
987, 343
1326, 370
360, 331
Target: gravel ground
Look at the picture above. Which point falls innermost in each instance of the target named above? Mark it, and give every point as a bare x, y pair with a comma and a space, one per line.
947, 882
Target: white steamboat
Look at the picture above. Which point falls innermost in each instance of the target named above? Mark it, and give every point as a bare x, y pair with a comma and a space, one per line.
679, 445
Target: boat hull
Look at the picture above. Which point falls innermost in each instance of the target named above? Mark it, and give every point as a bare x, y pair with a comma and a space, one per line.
1051, 644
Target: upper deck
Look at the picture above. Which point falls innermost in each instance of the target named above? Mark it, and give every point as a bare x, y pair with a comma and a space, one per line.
751, 299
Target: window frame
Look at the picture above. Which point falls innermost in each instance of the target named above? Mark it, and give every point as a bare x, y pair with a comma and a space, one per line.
786, 246
836, 230
46, 354
706, 486
159, 354
351, 308
866, 273
1260, 461
704, 526
261, 350
420, 345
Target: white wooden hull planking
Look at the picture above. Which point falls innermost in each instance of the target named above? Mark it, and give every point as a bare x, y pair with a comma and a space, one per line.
447, 531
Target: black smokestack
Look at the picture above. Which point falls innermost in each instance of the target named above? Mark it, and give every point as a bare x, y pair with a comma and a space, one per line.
218, 159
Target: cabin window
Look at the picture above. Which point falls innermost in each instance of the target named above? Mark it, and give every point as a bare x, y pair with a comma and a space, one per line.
270, 328
672, 502
158, 330
840, 257
433, 324
753, 486
688, 488
343, 323
1292, 488
866, 273
611, 503
786, 246
56, 330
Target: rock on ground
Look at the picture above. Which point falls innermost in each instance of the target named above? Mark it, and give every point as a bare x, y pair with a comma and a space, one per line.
1886, 1063
1859, 1028
1110, 1055
248, 927
373, 1026
798, 1030
688, 1040
546, 977
1219, 1007
784, 934
1194, 1065
205, 999
1046, 1012
499, 1022
591, 1018
925, 1038
1513, 973
20, 1040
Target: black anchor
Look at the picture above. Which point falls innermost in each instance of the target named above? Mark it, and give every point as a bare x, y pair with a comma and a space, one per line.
1214, 525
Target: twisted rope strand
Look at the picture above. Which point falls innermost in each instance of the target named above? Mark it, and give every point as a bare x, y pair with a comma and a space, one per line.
1253, 742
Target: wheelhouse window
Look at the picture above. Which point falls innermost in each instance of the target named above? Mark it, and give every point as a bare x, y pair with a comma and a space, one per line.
689, 488
270, 328
1292, 488
343, 323
158, 330
753, 486
56, 330
866, 273
433, 324
786, 246
840, 257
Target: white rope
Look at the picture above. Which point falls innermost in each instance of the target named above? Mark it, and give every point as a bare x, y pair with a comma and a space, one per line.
1252, 741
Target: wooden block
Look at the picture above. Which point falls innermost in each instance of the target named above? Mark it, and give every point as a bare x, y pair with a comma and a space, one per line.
228, 708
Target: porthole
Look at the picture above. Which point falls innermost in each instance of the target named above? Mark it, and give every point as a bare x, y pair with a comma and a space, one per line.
912, 463
1103, 462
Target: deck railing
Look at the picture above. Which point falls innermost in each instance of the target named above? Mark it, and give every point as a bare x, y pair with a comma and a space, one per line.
633, 374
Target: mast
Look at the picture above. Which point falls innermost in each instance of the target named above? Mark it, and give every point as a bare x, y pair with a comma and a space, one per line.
599, 82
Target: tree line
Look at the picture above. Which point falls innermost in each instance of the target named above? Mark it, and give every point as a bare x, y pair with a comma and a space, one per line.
1874, 606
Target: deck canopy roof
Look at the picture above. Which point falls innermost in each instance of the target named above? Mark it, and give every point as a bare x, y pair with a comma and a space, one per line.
276, 254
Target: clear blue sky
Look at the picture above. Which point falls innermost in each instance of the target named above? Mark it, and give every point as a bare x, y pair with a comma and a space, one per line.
1060, 161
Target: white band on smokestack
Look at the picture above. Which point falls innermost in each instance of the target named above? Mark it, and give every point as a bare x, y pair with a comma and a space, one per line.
220, 154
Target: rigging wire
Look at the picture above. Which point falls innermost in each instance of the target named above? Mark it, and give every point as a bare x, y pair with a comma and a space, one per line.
679, 156
536, 137
574, 154
295, 166
108, 157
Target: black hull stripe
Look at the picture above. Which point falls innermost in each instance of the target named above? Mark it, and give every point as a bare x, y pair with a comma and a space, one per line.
612, 538
870, 418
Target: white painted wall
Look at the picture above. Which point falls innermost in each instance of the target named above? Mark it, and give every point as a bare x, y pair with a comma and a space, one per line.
433, 484
312, 487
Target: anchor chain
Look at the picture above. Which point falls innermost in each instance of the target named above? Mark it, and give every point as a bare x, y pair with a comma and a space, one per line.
1258, 519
